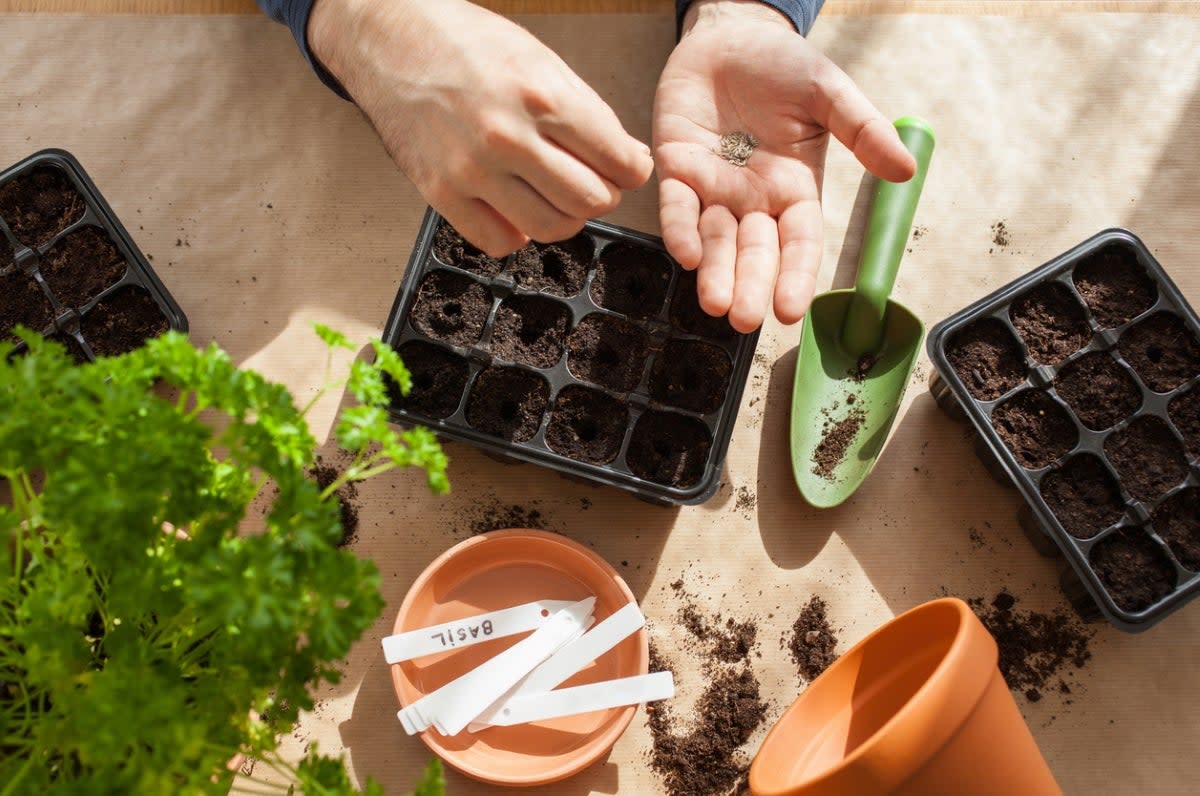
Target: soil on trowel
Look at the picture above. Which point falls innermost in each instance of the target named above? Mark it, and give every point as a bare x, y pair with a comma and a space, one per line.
836, 439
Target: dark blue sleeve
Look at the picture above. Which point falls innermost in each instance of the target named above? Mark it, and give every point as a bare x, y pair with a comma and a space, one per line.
802, 13
294, 14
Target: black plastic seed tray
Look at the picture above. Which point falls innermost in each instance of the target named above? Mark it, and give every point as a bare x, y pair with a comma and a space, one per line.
1082, 381
590, 357
72, 271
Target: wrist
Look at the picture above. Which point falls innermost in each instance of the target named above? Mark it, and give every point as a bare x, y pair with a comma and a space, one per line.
702, 13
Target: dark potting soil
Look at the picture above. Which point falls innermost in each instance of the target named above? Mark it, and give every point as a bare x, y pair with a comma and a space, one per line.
1134, 570
450, 248
701, 756
347, 497
1162, 350
1177, 520
1099, 390
555, 268
1051, 321
80, 266
987, 358
1035, 428
1083, 496
492, 515
836, 439
39, 204
74, 349
608, 351
669, 448
687, 315
690, 374
814, 641
1036, 648
1147, 457
508, 403
451, 307
1114, 285
631, 280
22, 302
531, 329
1184, 411
730, 642
587, 425
122, 322
439, 377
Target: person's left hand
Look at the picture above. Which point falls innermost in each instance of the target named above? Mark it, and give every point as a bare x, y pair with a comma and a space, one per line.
754, 230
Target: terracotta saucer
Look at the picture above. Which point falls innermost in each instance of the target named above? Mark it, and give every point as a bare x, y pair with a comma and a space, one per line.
498, 570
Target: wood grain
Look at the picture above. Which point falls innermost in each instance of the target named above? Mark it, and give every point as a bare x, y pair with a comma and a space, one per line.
832, 8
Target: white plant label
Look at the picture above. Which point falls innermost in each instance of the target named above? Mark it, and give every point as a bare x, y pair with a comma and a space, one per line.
470, 630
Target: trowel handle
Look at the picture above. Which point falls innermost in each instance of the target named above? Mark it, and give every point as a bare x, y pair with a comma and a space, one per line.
892, 211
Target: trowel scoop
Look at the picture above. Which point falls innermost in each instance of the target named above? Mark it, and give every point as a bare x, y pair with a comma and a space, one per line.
857, 348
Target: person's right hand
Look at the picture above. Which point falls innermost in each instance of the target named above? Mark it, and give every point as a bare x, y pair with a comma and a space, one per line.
495, 131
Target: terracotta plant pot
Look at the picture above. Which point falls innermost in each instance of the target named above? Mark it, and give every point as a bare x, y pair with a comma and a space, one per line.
918, 708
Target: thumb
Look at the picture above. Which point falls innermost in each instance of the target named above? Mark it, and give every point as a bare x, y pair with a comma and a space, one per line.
842, 109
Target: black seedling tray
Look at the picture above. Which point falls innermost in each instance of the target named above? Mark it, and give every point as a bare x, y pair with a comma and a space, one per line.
642, 394
1082, 382
72, 272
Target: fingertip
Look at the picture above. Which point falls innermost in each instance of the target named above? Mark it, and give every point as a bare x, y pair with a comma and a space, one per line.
744, 321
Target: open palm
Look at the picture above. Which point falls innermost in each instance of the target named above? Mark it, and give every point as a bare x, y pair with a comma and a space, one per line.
755, 230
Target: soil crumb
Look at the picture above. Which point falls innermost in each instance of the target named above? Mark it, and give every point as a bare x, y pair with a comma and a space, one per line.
862, 368
492, 515
836, 440
701, 756
746, 501
728, 642
813, 640
1037, 650
1000, 235
737, 147
347, 496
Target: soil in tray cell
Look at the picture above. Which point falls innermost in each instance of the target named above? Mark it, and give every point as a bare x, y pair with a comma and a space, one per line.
687, 315
669, 448
39, 204
1083, 496
122, 322
451, 307
1185, 414
1162, 350
1099, 390
690, 374
987, 358
632, 280
587, 425
80, 266
1114, 285
1051, 321
531, 329
23, 302
608, 351
1134, 570
555, 268
450, 248
1147, 457
1035, 428
1177, 520
439, 377
74, 349
508, 403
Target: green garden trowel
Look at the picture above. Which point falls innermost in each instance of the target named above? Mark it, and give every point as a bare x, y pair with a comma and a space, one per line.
857, 348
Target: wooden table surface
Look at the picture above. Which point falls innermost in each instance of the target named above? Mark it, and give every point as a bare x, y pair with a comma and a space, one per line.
833, 7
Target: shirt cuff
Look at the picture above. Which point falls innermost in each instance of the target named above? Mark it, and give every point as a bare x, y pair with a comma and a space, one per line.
802, 13
295, 14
